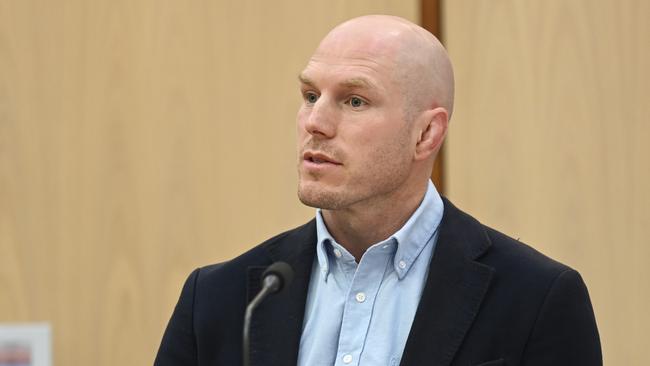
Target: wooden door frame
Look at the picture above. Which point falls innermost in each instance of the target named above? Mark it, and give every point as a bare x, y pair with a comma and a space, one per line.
430, 19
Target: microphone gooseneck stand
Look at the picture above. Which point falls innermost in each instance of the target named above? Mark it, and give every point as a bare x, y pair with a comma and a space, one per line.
276, 278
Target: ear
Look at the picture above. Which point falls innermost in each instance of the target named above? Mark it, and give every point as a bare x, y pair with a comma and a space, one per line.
432, 127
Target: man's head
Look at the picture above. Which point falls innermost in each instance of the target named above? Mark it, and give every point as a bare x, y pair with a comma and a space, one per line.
377, 96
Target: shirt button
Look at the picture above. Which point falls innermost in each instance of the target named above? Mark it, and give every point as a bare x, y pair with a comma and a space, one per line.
402, 264
337, 253
361, 297
347, 358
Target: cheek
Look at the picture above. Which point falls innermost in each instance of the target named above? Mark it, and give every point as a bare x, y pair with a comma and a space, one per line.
386, 147
378, 134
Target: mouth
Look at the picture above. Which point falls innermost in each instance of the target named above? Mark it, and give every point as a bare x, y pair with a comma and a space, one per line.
319, 158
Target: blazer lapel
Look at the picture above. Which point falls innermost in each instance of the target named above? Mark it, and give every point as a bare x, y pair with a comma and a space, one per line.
453, 293
276, 325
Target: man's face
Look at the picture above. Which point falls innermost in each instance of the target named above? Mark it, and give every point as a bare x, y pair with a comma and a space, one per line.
354, 146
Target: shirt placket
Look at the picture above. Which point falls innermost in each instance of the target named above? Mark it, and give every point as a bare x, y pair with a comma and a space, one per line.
360, 300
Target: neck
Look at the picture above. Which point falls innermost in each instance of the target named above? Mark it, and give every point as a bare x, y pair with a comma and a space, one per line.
366, 223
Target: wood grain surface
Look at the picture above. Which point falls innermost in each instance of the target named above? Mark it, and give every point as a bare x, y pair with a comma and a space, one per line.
140, 139
550, 142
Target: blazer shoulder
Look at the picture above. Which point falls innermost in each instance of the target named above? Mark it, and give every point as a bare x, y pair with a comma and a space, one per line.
511, 253
220, 290
493, 248
549, 298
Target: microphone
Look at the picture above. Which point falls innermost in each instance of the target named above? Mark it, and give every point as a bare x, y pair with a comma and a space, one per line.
276, 278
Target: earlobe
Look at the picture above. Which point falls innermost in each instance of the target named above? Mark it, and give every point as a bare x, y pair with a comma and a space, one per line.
432, 133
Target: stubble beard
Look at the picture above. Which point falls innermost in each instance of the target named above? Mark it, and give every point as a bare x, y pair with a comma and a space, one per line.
384, 175
319, 198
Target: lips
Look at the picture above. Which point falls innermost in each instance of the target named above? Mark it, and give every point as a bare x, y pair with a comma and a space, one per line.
319, 158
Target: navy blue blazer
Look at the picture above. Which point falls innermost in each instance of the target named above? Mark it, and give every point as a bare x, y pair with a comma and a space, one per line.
488, 300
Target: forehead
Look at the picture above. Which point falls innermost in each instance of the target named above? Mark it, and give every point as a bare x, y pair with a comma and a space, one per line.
357, 53
351, 69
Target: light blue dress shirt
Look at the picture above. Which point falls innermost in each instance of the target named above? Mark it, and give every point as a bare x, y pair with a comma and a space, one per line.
361, 314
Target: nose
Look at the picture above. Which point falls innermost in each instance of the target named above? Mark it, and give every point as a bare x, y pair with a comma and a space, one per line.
320, 119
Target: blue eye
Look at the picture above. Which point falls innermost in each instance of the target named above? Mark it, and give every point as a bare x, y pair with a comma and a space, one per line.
356, 102
311, 98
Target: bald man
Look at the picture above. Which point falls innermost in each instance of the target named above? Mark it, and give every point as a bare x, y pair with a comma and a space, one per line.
388, 272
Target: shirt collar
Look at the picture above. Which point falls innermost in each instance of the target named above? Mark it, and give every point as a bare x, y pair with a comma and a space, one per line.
324, 238
416, 233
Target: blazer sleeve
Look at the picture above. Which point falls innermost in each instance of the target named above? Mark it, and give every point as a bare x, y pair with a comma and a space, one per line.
178, 346
565, 333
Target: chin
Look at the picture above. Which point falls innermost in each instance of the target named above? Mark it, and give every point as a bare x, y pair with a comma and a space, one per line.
319, 197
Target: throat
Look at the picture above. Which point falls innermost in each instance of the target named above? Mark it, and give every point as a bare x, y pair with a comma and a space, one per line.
357, 233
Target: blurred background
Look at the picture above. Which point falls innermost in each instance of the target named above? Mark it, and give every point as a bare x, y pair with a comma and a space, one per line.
140, 139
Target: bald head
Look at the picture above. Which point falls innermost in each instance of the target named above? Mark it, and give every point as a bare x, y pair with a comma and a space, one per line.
419, 64
377, 95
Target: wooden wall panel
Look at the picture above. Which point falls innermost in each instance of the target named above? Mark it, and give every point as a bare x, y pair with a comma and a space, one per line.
138, 140
549, 142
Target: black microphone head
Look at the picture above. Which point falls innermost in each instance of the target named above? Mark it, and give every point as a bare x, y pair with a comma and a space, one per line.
284, 273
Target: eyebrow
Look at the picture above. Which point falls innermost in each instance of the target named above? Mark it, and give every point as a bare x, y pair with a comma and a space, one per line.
357, 83
305, 80
352, 83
